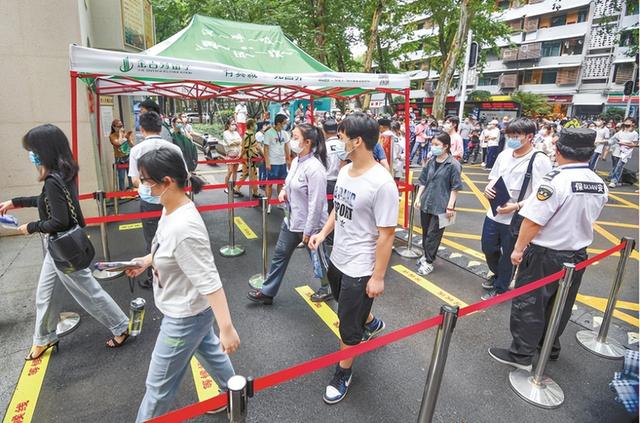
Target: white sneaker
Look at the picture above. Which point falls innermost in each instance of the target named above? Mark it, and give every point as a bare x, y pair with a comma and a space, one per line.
422, 260
425, 269
268, 208
612, 184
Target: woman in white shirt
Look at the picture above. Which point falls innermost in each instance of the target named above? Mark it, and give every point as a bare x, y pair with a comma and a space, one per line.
232, 142
186, 288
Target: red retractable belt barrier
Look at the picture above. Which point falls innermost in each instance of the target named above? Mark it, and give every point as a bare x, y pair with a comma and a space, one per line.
229, 161
122, 166
318, 363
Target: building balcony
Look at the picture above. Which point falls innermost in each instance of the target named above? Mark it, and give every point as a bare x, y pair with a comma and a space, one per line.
543, 63
557, 32
547, 89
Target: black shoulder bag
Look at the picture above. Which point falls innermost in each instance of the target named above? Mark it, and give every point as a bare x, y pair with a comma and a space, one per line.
516, 220
70, 250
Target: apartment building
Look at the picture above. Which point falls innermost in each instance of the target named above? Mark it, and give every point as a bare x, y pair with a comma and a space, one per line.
575, 52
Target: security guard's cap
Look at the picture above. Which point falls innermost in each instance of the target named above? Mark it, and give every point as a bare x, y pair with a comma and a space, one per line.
384, 122
577, 137
330, 125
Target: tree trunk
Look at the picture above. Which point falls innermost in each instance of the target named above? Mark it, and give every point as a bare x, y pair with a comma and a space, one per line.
449, 65
373, 39
321, 30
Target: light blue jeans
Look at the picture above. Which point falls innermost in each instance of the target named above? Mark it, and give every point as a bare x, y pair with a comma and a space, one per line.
178, 341
85, 290
285, 247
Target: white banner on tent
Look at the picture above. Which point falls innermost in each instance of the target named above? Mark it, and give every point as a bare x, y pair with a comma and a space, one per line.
113, 63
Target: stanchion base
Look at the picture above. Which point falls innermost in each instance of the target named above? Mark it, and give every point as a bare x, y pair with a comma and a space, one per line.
546, 394
103, 275
611, 349
256, 281
406, 252
67, 323
231, 251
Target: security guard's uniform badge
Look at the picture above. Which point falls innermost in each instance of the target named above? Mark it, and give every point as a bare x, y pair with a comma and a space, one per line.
544, 192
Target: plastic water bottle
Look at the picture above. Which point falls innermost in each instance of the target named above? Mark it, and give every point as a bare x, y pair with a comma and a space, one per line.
136, 316
8, 221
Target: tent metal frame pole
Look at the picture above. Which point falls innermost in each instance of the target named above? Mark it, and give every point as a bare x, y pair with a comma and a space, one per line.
407, 154
312, 110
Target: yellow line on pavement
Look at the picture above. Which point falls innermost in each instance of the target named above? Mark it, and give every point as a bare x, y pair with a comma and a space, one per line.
466, 250
429, 286
601, 303
598, 251
25, 396
620, 225
328, 316
466, 192
623, 201
463, 235
206, 387
464, 209
244, 228
634, 194
619, 206
612, 238
475, 174
479, 195
130, 226
478, 182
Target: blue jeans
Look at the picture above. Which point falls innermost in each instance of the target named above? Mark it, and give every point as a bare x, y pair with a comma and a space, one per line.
594, 161
497, 246
465, 146
616, 173
178, 341
492, 154
285, 247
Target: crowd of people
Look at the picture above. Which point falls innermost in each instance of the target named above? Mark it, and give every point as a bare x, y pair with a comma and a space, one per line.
544, 193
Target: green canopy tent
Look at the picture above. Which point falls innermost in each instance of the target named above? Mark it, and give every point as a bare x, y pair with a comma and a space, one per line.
213, 58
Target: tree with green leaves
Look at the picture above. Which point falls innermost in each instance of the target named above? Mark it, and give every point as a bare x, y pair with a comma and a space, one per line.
532, 104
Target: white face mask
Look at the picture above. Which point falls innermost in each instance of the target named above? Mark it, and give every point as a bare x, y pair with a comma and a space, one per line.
295, 146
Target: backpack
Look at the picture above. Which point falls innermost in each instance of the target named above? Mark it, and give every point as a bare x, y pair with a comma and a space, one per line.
188, 148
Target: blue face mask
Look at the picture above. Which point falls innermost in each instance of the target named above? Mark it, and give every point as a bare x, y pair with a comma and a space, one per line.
436, 151
514, 143
341, 151
144, 191
34, 158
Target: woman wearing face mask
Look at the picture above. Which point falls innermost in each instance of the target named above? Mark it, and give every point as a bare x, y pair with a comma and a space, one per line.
232, 142
187, 288
439, 186
59, 211
306, 210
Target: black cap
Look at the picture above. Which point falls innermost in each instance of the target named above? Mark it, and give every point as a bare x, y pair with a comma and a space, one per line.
330, 125
577, 137
384, 122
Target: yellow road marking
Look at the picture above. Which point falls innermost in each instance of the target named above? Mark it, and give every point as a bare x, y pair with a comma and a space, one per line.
206, 387
466, 192
619, 206
328, 316
475, 174
464, 209
130, 226
244, 228
598, 251
623, 201
463, 235
476, 191
634, 194
620, 225
429, 286
601, 304
466, 250
612, 238
478, 182
25, 396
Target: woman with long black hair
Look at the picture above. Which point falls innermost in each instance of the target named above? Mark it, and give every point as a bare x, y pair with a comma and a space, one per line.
305, 197
186, 287
59, 211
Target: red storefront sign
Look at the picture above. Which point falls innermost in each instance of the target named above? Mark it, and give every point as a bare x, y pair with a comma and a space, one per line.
564, 99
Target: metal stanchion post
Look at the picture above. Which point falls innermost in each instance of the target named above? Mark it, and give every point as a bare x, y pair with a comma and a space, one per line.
598, 343
410, 251
438, 361
256, 281
102, 211
231, 250
237, 399
536, 388
116, 184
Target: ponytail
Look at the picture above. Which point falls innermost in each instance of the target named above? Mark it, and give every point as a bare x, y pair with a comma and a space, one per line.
196, 182
318, 146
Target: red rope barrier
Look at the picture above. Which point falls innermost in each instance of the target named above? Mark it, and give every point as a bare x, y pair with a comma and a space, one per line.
229, 161
89, 196
318, 363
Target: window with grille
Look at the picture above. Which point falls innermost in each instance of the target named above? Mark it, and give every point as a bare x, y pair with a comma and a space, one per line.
551, 48
558, 20
572, 47
623, 73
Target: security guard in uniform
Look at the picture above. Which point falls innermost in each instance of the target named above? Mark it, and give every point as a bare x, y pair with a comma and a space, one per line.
557, 229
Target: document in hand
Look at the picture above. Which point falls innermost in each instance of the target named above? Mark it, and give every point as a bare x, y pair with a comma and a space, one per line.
502, 195
444, 221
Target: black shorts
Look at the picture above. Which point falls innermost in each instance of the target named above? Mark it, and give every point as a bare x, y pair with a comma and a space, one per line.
354, 304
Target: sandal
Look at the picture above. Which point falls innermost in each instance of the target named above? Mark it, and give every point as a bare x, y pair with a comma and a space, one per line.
31, 357
115, 343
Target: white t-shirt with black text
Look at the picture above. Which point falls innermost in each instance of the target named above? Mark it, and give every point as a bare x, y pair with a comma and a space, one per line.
362, 205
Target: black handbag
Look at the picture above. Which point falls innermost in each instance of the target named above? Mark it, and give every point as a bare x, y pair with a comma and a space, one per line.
516, 220
70, 250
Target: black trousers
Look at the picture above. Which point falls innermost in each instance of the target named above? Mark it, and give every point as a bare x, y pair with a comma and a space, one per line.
149, 227
431, 235
530, 313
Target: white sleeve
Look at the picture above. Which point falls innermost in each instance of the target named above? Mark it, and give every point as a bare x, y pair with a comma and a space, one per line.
495, 170
384, 205
133, 164
193, 255
543, 203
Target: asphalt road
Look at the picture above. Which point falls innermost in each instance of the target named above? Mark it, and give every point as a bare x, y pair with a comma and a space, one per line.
87, 382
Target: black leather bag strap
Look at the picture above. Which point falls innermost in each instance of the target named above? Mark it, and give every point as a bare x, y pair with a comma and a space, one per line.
527, 176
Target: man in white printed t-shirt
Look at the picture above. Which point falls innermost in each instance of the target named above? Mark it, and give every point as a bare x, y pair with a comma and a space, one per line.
364, 218
240, 116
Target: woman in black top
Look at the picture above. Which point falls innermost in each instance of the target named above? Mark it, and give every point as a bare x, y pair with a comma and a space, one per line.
49, 151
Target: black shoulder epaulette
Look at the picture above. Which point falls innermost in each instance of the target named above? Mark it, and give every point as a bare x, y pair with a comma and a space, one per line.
549, 176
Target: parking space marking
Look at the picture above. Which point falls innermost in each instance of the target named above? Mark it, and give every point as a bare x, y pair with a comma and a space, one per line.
612, 238
623, 201
429, 286
619, 225
244, 228
326, 313
634, 194
619, 206
206, 387
25, 396
130, 226
455, 245
601, 303
479, 195
465, 209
